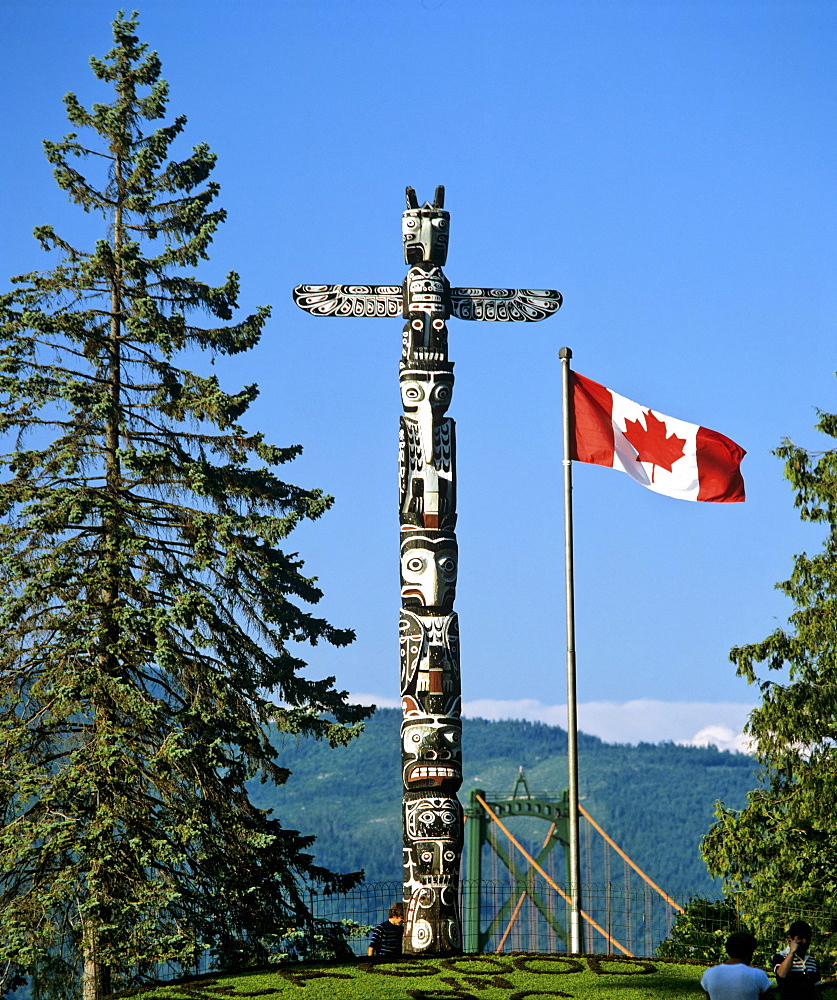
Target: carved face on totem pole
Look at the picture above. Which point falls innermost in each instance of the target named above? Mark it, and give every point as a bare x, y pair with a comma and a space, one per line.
426, 491
429, 663
426, 306
433, 818
426, 449
429, 563
426, 396
431, 752
426, 229
426, 288
433, 826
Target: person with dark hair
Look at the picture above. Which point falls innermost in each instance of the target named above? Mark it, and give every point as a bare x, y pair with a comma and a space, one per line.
797, 975
386, 938
736, 979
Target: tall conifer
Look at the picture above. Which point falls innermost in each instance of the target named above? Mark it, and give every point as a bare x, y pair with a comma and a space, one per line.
145, 606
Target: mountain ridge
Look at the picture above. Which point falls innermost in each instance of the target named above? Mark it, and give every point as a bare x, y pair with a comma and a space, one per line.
656, 800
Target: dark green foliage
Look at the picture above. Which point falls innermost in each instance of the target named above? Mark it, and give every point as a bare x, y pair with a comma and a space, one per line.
783, 845
701, 930
145, 608
654, 800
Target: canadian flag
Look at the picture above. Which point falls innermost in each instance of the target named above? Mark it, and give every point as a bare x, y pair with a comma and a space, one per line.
667, 455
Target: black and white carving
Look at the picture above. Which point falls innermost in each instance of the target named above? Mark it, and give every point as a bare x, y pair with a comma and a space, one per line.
510, 305
429, 568
432, 851
426, 454
429, 662
426, 229
516, 305
425, 340
431, 752
350, 300
429, 630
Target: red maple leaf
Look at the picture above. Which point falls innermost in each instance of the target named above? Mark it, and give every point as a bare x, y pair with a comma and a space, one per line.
651, 442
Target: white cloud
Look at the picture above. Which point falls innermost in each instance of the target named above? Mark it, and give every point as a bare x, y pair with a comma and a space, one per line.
644, 720
722, 737
691, 723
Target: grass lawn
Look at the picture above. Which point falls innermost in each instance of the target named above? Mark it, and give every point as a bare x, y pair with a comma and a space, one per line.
481, 977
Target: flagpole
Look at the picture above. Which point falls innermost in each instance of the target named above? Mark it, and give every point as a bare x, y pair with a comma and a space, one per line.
574, 866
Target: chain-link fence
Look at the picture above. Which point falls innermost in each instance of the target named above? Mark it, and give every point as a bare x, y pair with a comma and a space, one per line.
534, 917
616, 920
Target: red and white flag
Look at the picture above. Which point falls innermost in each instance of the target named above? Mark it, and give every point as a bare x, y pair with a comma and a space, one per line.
667, 455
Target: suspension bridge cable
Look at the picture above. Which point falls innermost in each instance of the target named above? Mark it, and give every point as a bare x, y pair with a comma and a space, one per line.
622, 854
520, 901
550, 881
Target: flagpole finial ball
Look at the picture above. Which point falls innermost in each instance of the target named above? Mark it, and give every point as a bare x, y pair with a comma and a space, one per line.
565, 352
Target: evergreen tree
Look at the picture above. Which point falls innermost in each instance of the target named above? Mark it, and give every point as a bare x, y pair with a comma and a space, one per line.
778, 855
146, 610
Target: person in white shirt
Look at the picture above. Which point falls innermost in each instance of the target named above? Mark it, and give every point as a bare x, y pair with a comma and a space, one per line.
736, 979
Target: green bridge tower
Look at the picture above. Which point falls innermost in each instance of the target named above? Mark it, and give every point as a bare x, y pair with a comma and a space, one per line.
482, 827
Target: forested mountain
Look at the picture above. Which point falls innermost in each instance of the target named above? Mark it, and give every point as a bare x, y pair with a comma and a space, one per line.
655, 800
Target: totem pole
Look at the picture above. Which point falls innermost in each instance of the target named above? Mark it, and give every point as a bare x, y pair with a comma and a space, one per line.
429, 632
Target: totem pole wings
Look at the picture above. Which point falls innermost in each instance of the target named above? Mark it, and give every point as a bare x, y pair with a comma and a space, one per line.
431, 729
512, 305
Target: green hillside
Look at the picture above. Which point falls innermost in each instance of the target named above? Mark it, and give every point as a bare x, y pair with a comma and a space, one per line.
655, 800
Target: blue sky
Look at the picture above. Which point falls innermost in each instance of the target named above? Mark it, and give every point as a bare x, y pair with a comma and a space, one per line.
667, 166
